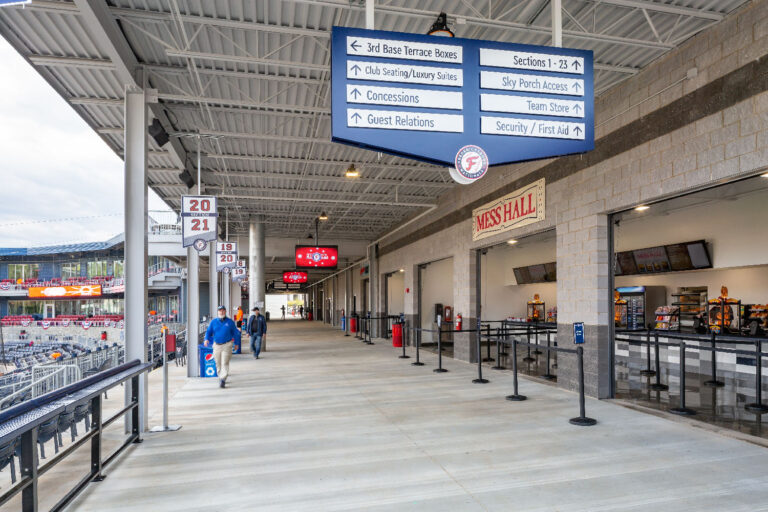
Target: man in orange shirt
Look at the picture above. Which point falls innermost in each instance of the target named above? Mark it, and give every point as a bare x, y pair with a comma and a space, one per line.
239, 317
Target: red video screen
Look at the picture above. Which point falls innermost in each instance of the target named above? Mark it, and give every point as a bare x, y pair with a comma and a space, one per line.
309, 256
295, 276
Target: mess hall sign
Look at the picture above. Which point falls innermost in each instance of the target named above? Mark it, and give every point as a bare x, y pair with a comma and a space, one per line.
519, 208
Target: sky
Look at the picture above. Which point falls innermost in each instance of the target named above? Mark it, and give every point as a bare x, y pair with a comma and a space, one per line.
59, 182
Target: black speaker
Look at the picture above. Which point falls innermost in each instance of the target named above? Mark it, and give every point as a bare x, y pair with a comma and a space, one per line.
187, 178
158, 133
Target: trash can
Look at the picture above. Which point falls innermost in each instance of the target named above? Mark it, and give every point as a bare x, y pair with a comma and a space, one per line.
266, 316
343, 323
170, 343
207, 364
397, 335
309, 315
103, 335
353, 323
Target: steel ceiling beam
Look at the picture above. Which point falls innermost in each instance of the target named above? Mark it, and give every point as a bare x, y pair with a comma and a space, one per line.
339, 163
665, 8
493, 23
244, 59
247, 104
331, 201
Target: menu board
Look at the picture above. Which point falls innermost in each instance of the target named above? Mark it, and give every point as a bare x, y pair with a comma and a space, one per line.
538, 272
699, 255
627, 263
679, 259
522, 276
551, 272
541, 273
652, 259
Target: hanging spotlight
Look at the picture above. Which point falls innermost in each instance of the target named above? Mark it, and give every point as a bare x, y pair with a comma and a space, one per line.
323, 216
352, 172
440, 27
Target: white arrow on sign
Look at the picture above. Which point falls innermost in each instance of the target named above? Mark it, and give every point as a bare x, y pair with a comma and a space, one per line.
404, 97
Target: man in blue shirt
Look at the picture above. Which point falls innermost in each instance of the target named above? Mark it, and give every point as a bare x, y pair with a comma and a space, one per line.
222, 332
257, 328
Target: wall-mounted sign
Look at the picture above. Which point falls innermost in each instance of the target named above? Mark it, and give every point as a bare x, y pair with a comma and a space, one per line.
226, 255
522, 207
198, 221
49, 292
310, 256
578, 333
365, 270
295, 276
431, 98
240, 272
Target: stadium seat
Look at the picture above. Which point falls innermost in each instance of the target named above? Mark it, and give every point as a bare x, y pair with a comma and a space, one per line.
7, 453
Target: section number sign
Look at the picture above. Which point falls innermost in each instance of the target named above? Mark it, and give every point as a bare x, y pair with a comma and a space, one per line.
226, 255
198, 221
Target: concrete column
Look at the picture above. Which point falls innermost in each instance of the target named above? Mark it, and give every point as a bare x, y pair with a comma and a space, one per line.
226, 294
256, 264
557, 23
348, 297
465, 294
213, 282
193, 310
584, 295
314, 302
136, 258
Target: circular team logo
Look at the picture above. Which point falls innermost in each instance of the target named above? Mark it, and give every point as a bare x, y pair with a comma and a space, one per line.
200, 245
316, 256
225, 270
471, 164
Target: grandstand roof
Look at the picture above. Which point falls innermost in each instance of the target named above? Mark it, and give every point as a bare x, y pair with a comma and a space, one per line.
113, 242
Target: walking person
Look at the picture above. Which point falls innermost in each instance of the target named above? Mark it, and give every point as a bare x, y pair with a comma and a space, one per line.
282, 308
301, 312
257, 328
222, 332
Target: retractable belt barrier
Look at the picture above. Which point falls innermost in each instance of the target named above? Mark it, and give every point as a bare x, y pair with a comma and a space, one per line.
757, 407
501, 337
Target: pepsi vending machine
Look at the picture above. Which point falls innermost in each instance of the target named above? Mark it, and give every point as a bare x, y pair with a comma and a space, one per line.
206, 362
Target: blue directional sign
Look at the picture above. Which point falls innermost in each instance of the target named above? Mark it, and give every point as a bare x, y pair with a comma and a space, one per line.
427, 97
578, 333
5, 3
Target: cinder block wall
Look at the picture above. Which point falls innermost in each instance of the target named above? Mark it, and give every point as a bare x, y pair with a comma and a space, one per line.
662, 133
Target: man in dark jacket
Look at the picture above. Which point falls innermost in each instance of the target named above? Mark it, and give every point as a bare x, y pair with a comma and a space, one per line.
257, 329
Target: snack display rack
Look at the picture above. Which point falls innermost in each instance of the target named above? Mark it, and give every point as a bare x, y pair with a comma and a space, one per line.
724, 313
692, 304
536, 309
667, 318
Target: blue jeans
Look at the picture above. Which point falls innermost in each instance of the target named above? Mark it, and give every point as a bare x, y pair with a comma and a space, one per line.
255, 344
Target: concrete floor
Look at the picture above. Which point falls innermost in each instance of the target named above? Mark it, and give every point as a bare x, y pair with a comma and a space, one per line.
323, 422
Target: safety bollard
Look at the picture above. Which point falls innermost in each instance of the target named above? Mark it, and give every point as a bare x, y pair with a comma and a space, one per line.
439, 368
582, 420
658, 386
648, 372
713, 382
498, 365
758, 406
528, 358
682, 409
358, 326
488, 358
480, 379
368, 332
548, 375
418, 343
516, 396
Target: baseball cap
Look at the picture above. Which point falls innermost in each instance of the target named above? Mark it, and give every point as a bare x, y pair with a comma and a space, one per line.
222, 307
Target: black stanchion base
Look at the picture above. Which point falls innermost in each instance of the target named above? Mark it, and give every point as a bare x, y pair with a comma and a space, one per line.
647, 373
346, 334
488, 359
582, 421
369, 343
537, 352
529, 359
682, 411
548, 376
516, 398
439, 370
417, 363
659, 387
714, 383
403, 357
757, 408
498, 367
480, 381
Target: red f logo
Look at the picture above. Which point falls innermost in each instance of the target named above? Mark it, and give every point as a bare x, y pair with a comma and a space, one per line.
470, 162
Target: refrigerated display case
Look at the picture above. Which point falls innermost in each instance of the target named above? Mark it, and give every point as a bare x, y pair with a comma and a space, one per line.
641, 304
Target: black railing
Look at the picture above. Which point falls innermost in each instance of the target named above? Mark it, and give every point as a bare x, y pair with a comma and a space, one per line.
20, 426
678, 340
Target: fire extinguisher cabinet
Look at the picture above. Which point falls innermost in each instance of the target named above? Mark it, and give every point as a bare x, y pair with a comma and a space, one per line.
397, 335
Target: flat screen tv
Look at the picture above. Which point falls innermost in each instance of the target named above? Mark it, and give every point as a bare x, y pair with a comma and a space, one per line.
295, 276
310, 256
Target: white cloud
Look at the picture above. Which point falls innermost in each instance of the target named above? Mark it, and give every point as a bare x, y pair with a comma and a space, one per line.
53, 166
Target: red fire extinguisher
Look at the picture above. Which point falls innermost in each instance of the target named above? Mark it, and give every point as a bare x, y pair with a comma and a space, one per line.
458, 322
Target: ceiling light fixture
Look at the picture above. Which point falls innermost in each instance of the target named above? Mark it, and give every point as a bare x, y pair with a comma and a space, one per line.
352, 172
402, 270
440, 27
511, 242
641, 208
764, 175
323, 216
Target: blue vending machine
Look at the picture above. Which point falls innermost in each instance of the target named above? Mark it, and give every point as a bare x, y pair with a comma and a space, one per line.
206, 362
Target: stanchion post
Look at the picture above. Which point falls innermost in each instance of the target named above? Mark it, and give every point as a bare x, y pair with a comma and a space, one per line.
418, 343
582, 420
515, 396
165, 427
439, 368
713, 382
548, 375
498, 365
480, 379
488, 358
758, 406
402, 341
682, 409
528, 358
536, 337
657, 386
648, 372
